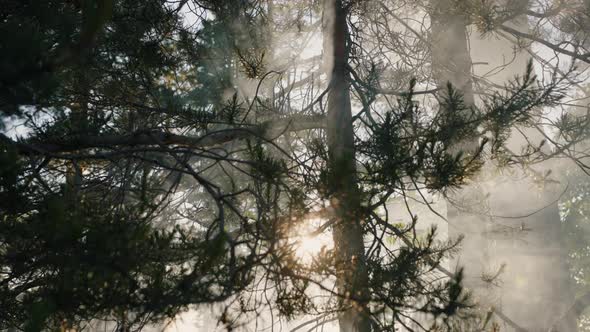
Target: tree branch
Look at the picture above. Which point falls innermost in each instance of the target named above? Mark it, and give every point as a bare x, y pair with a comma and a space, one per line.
554, 47
269, 129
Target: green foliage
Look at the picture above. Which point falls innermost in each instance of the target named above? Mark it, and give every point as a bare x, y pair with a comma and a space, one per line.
145, 186
88, 261
266, 168
410, 143
576, 226
10, 188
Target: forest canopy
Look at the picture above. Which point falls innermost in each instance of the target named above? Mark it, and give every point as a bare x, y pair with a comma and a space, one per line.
358, 166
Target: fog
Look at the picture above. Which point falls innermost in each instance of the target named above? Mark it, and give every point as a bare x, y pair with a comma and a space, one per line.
347, 165
513, 251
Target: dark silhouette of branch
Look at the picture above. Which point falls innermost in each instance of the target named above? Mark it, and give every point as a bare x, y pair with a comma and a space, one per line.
554, 47
269, 129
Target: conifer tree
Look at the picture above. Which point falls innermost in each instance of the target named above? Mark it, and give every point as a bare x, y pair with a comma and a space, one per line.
160, 155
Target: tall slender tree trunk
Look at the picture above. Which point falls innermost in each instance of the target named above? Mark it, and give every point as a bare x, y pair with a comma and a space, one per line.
451, 63
526, 227
351, 265
534, 286
79, 119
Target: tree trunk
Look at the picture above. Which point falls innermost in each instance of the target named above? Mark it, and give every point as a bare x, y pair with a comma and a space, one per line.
526, 227
451, 63
351, 266
535, 278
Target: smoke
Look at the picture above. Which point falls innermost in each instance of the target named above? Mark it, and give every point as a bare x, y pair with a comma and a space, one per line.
519, 251
523, 248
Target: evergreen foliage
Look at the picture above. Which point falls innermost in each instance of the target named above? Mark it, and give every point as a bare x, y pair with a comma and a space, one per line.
144, 180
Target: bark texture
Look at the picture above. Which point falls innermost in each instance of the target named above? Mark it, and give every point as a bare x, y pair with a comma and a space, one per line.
352, 276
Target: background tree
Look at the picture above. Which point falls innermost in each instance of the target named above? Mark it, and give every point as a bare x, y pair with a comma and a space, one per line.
486, 23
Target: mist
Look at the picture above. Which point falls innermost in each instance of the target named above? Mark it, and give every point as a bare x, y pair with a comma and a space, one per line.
330, 165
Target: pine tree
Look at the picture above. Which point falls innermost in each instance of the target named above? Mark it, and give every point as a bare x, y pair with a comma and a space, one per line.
167, 158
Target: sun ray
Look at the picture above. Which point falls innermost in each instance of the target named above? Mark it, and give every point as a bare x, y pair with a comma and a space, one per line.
308, 242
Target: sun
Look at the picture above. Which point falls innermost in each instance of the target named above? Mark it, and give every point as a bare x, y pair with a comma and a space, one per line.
309, 241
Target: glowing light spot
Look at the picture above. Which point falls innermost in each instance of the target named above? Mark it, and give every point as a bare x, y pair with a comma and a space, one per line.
520, 281
310, 241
